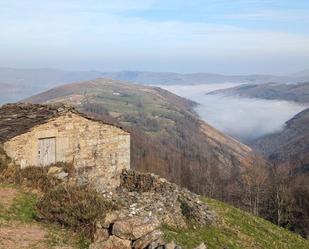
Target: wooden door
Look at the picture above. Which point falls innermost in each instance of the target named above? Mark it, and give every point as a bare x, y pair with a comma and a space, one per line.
47, 151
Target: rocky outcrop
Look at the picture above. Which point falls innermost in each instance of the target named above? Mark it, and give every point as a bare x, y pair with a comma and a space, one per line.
147, 203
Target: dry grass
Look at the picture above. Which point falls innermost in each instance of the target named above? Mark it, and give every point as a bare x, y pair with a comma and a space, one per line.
74, 207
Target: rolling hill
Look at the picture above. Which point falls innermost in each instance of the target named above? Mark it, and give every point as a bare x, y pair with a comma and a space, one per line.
290, 92
168, 138
187, 79
21, 83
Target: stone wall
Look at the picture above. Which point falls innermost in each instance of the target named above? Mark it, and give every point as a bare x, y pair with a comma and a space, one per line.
99, 152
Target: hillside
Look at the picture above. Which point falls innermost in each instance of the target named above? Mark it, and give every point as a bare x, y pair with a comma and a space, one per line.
292, 92
236, 229
291, 144
167, 136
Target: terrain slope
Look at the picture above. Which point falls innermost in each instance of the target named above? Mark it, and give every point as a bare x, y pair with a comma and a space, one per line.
236, 229
168, 138
291, 145
290, 92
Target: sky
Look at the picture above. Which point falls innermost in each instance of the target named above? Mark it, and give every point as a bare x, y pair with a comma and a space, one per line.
219, 36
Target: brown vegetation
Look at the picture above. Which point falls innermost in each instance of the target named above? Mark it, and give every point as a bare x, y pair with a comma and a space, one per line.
74, 207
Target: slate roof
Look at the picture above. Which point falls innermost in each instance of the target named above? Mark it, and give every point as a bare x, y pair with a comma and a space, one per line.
19, 118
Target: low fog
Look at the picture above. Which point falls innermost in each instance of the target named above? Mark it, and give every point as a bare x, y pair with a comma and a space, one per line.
243, 118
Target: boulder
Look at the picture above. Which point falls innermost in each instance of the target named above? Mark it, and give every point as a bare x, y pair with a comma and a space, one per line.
153, 245
110, 218
62, 176
113, 242
149, 240
170, 245
54, 170
201, 246
100, 235
135, 227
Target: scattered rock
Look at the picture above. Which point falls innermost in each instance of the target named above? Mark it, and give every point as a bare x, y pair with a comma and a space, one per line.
151, 240
135, 227
113, 242
201, 246
146, 202
62, 176
109, 219
100, 235
54, 170
170, 245
153, 245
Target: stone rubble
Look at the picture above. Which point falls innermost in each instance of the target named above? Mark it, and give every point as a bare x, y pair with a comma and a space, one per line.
147, 202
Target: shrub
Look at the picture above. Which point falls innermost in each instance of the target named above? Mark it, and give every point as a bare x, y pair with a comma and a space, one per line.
4, 160
73, 206
186, 210
35, 177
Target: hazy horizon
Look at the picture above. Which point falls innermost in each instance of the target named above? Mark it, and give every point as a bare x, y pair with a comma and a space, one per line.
224, 37
152, 71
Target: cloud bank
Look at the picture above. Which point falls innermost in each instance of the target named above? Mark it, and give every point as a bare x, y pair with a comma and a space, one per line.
243, 118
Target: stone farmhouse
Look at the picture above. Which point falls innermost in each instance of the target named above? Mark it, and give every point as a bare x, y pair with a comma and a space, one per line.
43, 135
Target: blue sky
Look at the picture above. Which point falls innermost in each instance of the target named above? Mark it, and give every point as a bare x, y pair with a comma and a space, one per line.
223, 36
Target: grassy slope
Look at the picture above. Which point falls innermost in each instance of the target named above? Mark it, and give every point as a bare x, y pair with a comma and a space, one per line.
21, 213
237, 230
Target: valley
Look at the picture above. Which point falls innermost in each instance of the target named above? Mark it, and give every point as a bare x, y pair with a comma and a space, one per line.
241, 117
168, 138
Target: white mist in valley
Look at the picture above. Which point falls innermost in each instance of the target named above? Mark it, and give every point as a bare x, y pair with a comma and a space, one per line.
243, 118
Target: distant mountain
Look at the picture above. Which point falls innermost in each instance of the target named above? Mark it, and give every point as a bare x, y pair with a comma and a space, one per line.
291, 145
21, 83
16, 84
168, 138
291, 92
303, 73
149, 78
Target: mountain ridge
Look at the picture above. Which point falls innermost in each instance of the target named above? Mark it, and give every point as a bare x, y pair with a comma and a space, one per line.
21, 83
298, 92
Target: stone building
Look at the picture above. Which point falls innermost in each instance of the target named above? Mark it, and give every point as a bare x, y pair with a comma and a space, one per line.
42, 135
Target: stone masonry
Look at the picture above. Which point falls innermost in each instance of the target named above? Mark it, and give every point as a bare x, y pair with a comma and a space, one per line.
98, 151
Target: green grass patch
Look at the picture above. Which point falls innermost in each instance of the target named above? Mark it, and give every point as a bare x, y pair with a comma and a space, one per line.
236, 229
23, 207
22, 210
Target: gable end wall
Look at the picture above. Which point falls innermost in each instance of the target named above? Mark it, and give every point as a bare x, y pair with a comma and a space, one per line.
98, 151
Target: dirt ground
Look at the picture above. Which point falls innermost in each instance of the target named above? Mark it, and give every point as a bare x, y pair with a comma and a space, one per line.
7, 195
21, 235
